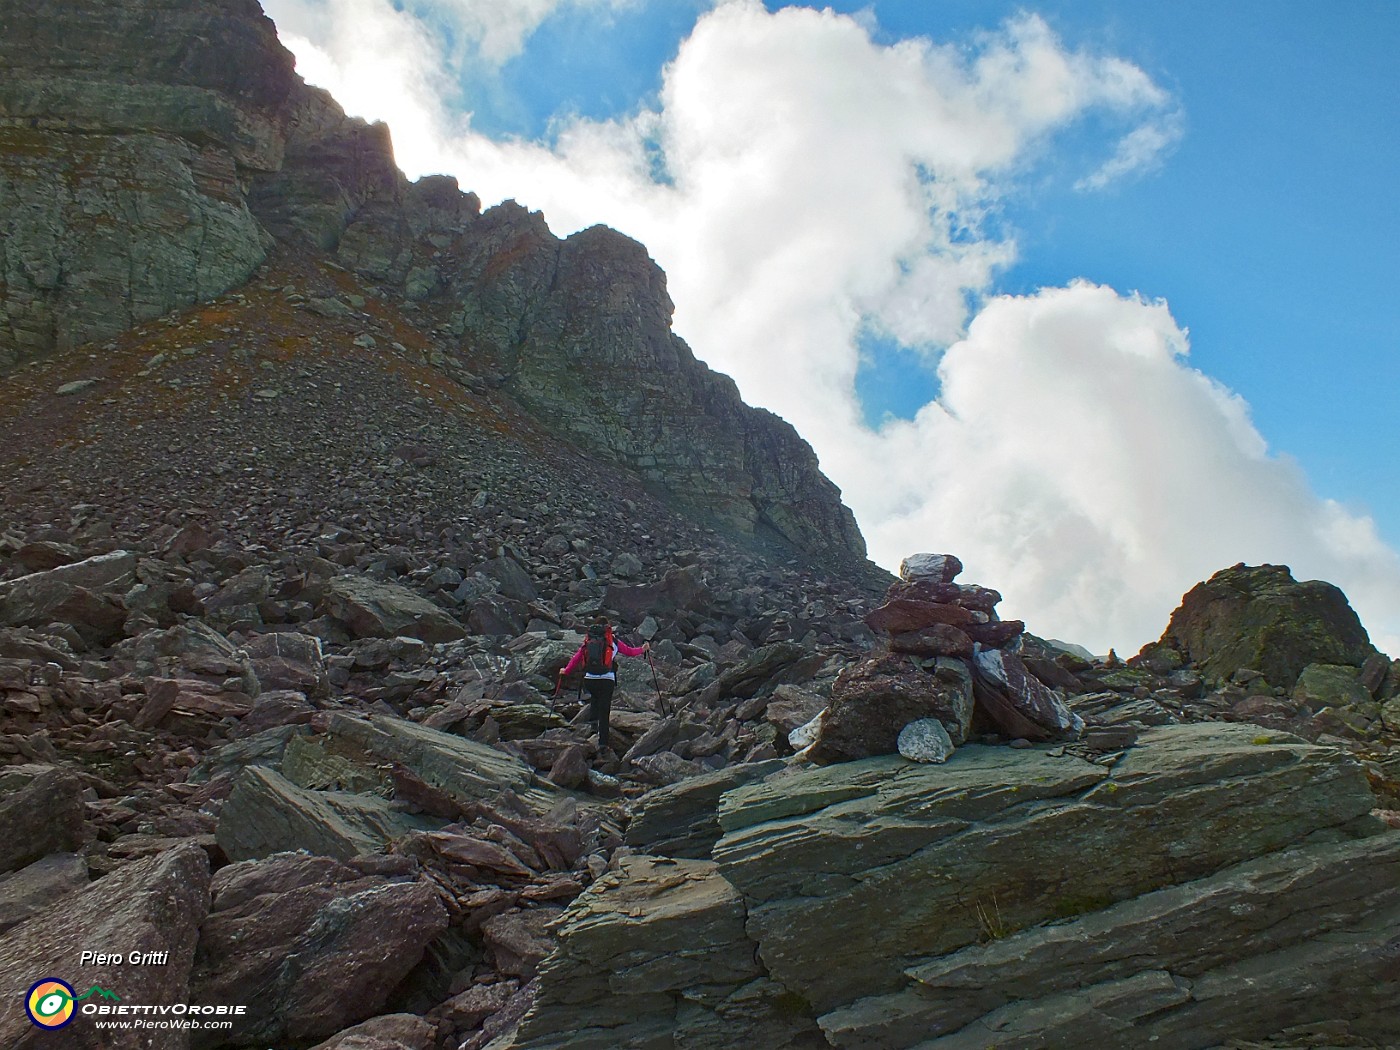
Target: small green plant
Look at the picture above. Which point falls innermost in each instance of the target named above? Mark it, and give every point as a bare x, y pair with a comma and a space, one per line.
989, 919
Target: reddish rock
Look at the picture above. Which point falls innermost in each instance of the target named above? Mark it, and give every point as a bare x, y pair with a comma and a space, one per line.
873, 701
476, 1004
966, 595
902, 615
939, 639
570, 769
791, 707
995, 635
45, 816
519, 941
1017, 703
149, 906
354, 938
290, 661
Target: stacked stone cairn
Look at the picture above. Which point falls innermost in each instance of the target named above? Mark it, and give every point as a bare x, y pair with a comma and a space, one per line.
948, 671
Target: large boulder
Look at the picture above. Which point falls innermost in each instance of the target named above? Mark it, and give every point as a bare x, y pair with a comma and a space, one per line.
287, 660
267, 814
1259, 618
151, 907
873, 701
44, 816
309, 944
85, 594
374, 609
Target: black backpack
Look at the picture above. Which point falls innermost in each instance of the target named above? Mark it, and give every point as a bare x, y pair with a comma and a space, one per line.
598, 650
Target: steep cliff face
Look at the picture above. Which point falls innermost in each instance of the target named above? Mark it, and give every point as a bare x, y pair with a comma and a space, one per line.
156, 151
128, 133
579, 330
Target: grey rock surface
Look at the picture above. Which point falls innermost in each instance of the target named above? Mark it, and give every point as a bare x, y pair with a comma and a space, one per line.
151, 906
268, 814
1005, 895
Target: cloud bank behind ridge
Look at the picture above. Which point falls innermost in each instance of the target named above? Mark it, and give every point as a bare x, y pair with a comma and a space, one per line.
804, 185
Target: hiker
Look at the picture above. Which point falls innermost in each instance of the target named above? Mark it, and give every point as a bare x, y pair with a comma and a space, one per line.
598, 658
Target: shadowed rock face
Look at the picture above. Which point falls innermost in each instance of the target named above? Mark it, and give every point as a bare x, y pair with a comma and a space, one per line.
1259, 618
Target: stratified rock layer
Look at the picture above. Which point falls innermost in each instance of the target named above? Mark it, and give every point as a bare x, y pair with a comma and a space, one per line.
1003, 895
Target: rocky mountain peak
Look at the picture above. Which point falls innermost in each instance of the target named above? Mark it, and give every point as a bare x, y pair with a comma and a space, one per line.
191, 116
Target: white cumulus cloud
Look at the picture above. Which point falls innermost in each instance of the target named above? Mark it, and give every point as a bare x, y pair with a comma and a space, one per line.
802, 184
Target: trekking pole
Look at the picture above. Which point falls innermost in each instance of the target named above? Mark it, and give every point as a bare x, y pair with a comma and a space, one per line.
558, 685
659, 702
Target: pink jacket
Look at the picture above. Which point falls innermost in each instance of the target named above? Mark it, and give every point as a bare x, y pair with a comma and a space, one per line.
618, 647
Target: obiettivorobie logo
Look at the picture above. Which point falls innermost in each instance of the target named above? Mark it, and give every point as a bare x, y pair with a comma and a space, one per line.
51, 1003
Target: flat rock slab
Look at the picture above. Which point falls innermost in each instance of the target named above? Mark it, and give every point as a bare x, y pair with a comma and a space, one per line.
267, 814
891, 863
466, 770
1173, 968
372, 609
150, 906
655, 955
682, 819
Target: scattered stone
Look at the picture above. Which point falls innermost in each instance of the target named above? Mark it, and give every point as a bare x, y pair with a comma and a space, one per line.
925, 741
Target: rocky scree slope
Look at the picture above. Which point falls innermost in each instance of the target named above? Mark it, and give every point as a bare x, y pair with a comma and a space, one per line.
154, 153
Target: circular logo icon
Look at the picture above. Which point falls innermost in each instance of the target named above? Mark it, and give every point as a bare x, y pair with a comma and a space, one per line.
50, 1003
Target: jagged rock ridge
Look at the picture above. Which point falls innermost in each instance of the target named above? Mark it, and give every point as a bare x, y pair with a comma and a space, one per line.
151, 147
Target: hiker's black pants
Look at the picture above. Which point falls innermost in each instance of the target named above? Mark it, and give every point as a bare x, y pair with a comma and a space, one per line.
600, 694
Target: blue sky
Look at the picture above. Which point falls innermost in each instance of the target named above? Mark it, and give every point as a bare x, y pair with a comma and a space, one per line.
960, 356
1273, 229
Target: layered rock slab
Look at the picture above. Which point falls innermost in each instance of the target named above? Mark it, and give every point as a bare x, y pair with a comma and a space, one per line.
909, 862
863, 889
655, 956
1169, 967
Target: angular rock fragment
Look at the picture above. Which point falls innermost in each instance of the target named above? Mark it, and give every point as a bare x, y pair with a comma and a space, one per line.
925, 741
372, 609
353, 938
1016, 702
